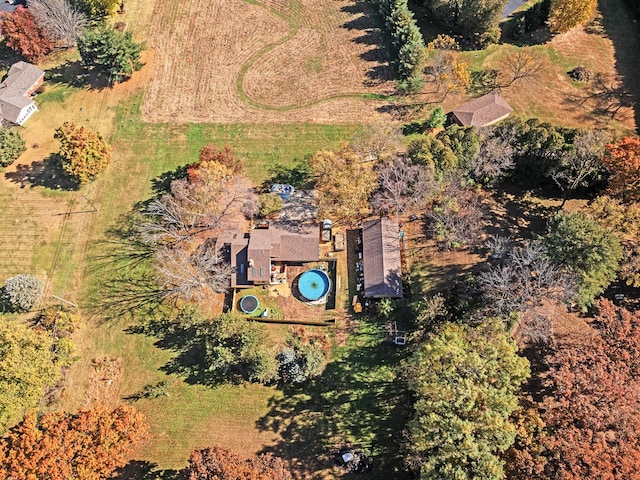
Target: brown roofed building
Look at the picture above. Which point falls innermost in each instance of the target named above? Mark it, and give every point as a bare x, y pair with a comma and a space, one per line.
381, 258
485, 110
22, 80
251, 255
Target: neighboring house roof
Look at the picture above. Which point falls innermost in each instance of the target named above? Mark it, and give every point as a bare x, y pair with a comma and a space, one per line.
15, 88
482, 111
251, 255
381, 258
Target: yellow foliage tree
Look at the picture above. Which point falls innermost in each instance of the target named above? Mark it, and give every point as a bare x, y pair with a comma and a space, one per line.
343, 182
567, 14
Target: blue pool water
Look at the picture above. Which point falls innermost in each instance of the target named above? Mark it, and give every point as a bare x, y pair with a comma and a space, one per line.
313, 284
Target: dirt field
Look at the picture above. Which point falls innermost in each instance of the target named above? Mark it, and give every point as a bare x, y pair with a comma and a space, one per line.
277, 61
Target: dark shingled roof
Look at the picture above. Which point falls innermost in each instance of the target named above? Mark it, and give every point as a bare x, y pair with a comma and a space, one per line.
22, 77
381, 255
251, 255
482, 111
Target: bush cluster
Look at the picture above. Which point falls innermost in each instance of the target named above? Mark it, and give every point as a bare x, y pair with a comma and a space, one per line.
23, 292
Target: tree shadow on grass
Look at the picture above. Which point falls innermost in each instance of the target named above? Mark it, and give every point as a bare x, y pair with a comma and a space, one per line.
42, 173
358, 400
162, 183
122, 267
144, 470
74, 74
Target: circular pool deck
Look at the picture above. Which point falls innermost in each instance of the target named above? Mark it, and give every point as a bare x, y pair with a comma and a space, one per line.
314, 285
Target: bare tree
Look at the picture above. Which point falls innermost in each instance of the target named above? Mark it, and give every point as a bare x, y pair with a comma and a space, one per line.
494, 159
457, 216
518, 66
59, 20
193, 208
188, 273
524, 279
404, 185
378, 141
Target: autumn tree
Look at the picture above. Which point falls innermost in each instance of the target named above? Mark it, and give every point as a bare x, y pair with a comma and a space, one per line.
567, 14
476, 20
12, 145
378, 141
28, 367
59, 20
404, 185
448, 72
113, 53
624, 220
592, 414
344, 183
209, 199
88, 445
593, 253
226, 157
97, 9
465, 381
83, 153
221, 464
464, 142
623, 162
24, 36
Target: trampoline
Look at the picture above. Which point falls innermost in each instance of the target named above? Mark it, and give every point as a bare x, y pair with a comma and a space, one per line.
249, 304
313, 285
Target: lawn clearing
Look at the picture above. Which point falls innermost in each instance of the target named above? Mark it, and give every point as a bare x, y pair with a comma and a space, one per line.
272, 61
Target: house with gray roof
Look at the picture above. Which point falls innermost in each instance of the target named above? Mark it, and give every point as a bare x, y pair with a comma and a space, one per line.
16, 104
381, 259
485, 110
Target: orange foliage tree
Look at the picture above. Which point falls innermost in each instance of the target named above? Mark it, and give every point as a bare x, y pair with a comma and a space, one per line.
88, 445
221, 464
623, 161
24, 36
211, 153
593, 418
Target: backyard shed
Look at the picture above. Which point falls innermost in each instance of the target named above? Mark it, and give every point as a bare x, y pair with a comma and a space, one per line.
381, 258
485, 110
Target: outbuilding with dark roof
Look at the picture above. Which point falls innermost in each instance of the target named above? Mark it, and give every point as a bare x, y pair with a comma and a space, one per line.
381, 258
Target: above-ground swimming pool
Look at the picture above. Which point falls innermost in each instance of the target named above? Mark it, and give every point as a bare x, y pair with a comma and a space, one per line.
249, 304
313, 285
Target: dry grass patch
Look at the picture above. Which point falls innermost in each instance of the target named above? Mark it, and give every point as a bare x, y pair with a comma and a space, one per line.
234, 61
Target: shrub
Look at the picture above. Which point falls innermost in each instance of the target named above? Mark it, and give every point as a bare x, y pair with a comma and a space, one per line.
300, 362
12, 145
270, 203
24, 291
437, 117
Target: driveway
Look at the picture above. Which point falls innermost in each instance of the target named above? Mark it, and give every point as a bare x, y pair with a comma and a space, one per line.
512, 6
